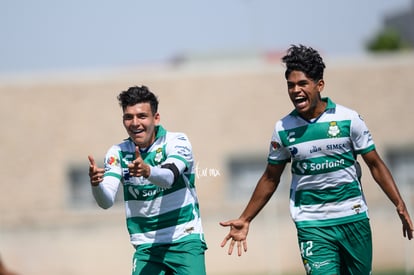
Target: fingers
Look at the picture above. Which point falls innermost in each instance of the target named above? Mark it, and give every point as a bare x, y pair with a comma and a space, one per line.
237, 238
407, 232
241, 246
231, 247
227, 223
227, 238
95, 173
137, 152
407, 225
137, 167
245, 246
223, 243
91, 160
92, 165
239, 249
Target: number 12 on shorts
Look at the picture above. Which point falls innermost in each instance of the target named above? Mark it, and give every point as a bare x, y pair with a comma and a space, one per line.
306, 248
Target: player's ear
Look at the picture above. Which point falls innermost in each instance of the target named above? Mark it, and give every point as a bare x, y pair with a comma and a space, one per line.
157, 118
320, 85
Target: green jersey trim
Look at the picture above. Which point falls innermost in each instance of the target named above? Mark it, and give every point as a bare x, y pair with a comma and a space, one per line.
330, 105
188, 238
331, 222
366, 150
111, 174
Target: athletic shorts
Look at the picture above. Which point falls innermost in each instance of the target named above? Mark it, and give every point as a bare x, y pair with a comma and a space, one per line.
341, 249
186, 258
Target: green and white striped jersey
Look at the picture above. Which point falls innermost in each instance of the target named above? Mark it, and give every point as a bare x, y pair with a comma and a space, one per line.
325, 188
156, 215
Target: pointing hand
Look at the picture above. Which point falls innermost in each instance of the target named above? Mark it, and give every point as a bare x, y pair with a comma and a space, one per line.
138, 168
95, 173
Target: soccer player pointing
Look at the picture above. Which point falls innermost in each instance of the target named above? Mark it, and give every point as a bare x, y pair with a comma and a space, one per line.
156, 169
321, 139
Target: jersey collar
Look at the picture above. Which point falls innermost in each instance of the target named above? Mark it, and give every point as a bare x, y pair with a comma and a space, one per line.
329, 105
160, 132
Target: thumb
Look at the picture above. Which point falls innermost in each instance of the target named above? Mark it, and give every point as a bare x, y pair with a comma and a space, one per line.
227, 223
137, 153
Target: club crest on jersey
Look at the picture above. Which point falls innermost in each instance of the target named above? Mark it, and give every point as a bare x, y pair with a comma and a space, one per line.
333, 130
158, 155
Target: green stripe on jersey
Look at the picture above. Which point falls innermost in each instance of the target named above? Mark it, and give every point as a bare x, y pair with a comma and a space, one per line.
182, 215
314, 131
327, 195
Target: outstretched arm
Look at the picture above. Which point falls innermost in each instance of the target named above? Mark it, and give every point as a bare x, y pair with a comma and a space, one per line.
383, 177
264, 190
103, 192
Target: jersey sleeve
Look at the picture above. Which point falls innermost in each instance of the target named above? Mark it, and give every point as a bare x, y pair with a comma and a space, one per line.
361, 136
105, 192
278, 154
180, 152
113, 167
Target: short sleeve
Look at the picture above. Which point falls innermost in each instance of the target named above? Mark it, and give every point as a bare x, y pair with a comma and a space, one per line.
112, 163
278, 154
179, 149
361, 136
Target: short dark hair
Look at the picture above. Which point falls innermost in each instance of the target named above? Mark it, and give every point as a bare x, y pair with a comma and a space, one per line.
304, 59
135, 95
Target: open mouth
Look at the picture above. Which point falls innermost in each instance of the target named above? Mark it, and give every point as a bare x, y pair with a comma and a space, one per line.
137, 131
300, 100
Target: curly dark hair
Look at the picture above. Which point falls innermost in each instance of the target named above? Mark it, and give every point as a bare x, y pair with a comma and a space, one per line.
135, 95
304, 59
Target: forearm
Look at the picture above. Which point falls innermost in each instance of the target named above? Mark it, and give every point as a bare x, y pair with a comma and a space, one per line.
166, 175
383, 177
161, 177
261, 195
105, 192
264, 190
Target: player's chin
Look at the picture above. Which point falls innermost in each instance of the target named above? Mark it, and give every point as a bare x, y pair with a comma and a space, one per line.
140, 142
136, 136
